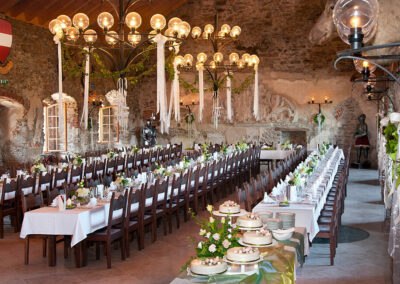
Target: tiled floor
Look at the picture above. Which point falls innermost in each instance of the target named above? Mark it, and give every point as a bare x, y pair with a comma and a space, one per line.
359, 262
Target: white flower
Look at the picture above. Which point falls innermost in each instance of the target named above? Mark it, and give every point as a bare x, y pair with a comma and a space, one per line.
209, 208
229, 236
200, 245
223, 220
212, 248
202, 232
208, 235
226, 243
212, 220
216, 236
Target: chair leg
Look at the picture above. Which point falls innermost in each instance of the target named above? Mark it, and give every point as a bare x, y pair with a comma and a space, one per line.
1, 224
164, 217
177, 219
27, 250
44, 247
97, 251
154, 230
122, 242
332, 249
108, 250
66, 246
170, 222
127, 243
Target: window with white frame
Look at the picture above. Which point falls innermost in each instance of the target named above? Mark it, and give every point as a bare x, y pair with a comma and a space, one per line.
108, 125
54, 141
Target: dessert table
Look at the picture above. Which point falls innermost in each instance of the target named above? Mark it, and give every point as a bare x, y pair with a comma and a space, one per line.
279, 264
308, 211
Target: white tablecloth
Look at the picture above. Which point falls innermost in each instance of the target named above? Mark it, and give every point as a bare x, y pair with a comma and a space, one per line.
307, 214
275, 154
77, 222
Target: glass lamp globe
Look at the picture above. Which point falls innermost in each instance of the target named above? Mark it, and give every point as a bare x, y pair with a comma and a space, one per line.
349, 15
134, 38
209, 29
170, 34
111, 37
55, 26
218, 57
233, 57
235, 31
360, 64
174, 24
204, 35
72, 33
188, 58
246, 58
80, 21
221, 34
65, 21
199, 65
241, 63
179, 60
184, 29
202, 57
158, 22
254, 60
133, 20
213, 65
90, 36
196, 32
105, 20
225, 29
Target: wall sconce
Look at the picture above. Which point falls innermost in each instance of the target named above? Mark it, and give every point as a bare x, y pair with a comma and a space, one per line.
326, 101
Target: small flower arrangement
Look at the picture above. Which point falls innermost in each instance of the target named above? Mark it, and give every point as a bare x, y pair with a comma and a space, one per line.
38, 167
224, 149
78, 160
135, 149
111, 154
82, 194
287, 146
242, 145
123, 181
159, 170
81, 184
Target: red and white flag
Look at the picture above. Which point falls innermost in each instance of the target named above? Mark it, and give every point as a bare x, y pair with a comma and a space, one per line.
5, 39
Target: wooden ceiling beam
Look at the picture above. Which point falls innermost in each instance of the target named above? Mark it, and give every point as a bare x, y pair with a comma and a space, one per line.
6, 5
52, 14
26, 7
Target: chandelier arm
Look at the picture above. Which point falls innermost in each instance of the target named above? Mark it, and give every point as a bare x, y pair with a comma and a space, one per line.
113, 6
367, 48
140, 53
109, 55
370, 62
130, 4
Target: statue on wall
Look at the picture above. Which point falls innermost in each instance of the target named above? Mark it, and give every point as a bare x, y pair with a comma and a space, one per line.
362, 143
148, 135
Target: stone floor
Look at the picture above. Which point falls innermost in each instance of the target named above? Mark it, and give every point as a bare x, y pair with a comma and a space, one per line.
365, 261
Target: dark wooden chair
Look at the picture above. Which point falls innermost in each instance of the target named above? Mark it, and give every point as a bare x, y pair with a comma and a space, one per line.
9, 205
134, 217
89, 171
76, 175
149, 201
45, 184
30, 202
160, 210
114, 230
60, 178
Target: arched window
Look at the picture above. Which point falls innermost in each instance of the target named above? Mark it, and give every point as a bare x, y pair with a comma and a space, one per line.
54, 141
108, 125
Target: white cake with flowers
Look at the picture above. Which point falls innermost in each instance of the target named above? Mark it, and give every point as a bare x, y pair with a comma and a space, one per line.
258, 238
249, 221
229, 207
208, 266
243, 254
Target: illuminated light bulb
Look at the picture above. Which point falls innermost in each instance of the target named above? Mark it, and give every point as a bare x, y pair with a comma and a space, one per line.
202, 57
184, 29
65, 22
55, 26
209, 29
221, 34
179, 60
105, 20
199, 65
312, 100
246, 58
158, 22
355, 22
204, 35
240, 63
235, 31
225, 29
233, 57
196, 32
365, 64
170, 34
174, 24
72, 33
134, 38
111, 37
90, 36
254, 60
133, 20
326, 99
188, 58
80, 21
213, 65
218, 57
360, 65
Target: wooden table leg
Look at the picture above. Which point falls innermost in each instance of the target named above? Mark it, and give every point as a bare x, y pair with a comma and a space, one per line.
78, 255
52, 251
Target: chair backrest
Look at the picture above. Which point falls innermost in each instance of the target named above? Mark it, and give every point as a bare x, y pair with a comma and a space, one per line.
89, 171
135, 204
27, 184
99, 169
130, 161
51, 194
241, 198
148, 196
31, 201
69, 190
161, 194
60, 178
9, 187
117, 210
251, 195
107, 179
45, 181
110, 166
76, 174
120, 164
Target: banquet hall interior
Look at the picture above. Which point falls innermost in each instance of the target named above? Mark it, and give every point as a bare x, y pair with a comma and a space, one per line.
199, 141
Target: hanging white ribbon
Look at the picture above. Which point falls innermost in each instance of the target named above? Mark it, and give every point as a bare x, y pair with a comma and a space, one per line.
229, 98
85, 112
161, 92
201, 92
255, 105
175, 88
123, 109
60, 90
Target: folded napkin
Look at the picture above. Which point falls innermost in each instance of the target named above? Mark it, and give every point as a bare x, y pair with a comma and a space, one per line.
268, 199
113, 186
275, 191
55, 202
93, 202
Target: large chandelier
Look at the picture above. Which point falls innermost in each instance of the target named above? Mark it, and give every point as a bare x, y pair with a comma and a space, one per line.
218, 67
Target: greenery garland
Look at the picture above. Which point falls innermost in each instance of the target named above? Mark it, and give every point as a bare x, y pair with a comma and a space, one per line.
189, 118
322, 118
392, 138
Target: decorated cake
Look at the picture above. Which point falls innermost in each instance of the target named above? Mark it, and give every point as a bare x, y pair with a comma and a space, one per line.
249, 221
208, 266
229, 207
243, 254
258, 238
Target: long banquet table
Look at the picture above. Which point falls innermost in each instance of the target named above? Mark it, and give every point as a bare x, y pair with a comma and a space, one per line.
308, 212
